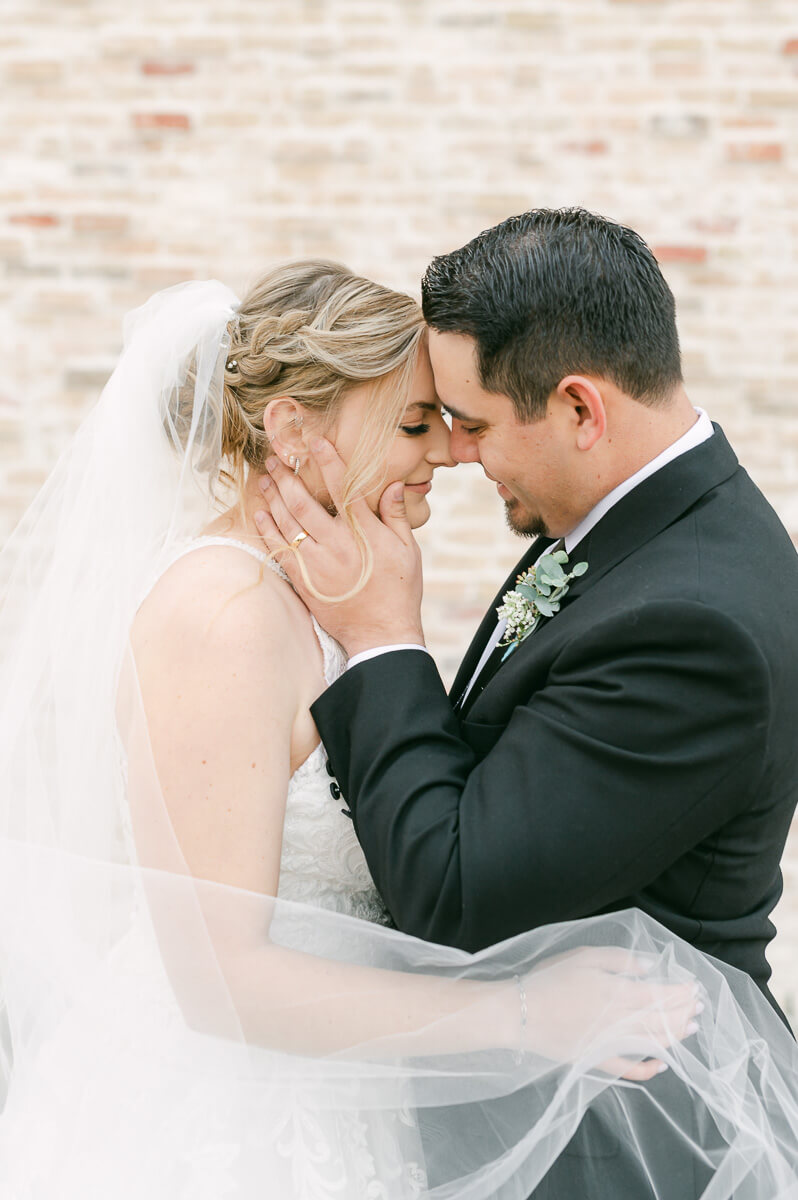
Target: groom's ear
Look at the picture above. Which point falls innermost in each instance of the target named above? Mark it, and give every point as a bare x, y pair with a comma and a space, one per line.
284, 426
585, 409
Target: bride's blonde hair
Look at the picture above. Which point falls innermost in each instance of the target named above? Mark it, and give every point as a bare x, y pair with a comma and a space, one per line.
313, 330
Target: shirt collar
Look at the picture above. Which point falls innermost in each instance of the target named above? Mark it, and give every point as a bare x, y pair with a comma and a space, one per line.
698, 432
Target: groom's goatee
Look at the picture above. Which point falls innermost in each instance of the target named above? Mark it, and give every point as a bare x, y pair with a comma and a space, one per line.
526, 526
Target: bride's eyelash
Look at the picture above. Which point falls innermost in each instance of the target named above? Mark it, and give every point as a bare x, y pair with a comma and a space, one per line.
415, 430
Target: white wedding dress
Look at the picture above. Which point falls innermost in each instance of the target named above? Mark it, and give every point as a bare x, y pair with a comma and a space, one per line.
193, 1142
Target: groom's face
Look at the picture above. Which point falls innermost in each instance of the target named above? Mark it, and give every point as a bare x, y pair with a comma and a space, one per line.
532, 464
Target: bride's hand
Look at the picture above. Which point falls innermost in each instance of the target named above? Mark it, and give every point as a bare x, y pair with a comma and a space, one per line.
602, 993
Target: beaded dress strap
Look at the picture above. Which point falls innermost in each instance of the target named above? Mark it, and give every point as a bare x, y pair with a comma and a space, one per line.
211, 540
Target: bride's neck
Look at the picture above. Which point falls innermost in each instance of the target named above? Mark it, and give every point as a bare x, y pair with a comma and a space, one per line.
239, 520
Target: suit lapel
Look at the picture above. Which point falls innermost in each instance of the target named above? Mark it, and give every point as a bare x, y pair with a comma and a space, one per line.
472, 656
637, 518
650, 508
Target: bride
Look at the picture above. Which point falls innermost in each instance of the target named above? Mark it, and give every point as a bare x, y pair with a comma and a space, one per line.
203, 992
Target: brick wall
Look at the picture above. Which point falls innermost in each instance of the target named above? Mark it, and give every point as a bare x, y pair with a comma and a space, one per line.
143, 144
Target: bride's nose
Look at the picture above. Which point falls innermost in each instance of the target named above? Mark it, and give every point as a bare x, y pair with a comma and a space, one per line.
439, 453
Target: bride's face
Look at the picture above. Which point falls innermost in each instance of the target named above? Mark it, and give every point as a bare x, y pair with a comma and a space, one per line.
420, 446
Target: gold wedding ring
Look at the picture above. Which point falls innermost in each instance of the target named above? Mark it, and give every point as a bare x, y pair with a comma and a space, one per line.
298, 540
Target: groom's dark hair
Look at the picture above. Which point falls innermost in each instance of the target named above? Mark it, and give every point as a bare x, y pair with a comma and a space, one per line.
555, 292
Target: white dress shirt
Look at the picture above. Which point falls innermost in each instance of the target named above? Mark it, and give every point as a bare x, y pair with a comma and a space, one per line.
699, 432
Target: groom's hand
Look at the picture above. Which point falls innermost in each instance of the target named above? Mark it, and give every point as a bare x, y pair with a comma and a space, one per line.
384, 610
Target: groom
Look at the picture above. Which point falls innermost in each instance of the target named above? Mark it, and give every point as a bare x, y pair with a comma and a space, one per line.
638, 748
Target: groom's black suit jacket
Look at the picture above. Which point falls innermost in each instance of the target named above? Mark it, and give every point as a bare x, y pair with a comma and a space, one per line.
639, 749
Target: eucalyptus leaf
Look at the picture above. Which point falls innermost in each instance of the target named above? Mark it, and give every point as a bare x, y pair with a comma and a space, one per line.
552, 570
537, 595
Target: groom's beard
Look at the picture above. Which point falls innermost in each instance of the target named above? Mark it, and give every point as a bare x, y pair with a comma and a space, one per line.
524, 523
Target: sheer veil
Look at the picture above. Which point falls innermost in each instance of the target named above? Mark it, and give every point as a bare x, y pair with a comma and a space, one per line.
168, 1037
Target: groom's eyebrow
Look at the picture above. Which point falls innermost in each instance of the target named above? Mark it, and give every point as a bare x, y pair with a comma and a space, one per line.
426, 405
461, 416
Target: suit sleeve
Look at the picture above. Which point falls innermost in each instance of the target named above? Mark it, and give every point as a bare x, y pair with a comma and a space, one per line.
649, 734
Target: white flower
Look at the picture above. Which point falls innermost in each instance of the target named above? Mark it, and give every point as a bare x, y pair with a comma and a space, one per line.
537, 594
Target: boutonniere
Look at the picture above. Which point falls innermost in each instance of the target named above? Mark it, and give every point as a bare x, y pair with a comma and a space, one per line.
537, 594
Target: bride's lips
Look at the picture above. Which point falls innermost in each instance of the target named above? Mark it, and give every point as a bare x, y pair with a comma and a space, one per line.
420, 489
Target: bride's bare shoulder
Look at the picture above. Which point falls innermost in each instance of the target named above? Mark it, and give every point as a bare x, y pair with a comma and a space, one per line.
218, 596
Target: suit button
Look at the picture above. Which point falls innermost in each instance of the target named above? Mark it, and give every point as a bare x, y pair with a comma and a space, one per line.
329, 768
335, 791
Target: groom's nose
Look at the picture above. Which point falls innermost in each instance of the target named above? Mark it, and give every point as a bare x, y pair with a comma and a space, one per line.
463, 446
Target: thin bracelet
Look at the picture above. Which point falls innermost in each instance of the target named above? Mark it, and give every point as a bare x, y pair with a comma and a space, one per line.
524, 1015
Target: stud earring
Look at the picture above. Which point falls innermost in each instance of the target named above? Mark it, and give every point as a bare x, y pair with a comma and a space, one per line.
294, 462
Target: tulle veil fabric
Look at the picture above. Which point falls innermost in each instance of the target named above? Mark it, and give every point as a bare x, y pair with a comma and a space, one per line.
168, 1037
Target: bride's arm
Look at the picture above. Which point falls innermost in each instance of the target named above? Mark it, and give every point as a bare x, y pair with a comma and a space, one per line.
221, 689
216, 658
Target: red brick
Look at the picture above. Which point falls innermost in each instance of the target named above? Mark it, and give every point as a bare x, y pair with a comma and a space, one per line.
152, 67
161, 121
37, 220
755, 152
685, 254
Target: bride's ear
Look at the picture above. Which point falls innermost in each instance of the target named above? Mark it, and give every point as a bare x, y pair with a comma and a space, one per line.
283, 424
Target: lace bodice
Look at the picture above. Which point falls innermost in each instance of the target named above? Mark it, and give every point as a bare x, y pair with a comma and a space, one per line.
321, 862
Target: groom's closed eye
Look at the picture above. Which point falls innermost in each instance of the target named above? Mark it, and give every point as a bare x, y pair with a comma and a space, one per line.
467, 424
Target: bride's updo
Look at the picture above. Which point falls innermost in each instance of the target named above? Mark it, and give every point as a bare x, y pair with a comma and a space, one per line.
313, 330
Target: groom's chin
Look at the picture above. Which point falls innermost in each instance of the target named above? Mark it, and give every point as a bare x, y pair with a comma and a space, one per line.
523, 522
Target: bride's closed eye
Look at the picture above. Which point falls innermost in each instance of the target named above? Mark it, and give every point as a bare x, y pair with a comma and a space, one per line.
415, 430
